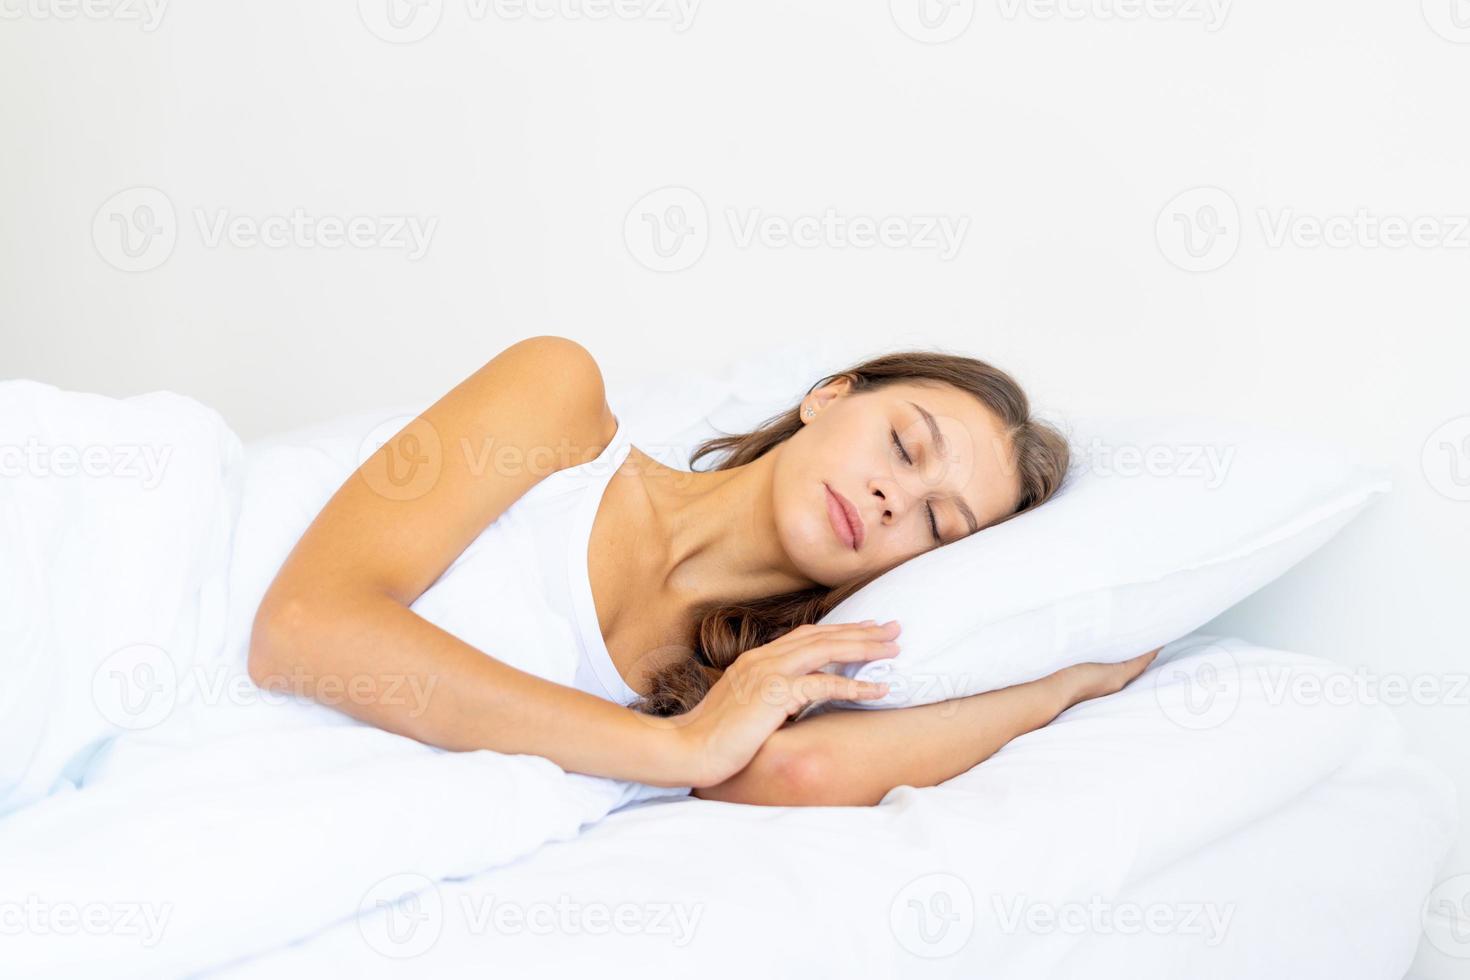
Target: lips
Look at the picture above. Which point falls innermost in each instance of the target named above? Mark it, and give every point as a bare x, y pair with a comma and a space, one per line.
845, 520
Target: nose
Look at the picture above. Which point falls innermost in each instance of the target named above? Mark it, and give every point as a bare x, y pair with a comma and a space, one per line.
893, 501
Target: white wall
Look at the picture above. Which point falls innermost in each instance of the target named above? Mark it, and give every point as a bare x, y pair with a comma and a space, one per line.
1061, 140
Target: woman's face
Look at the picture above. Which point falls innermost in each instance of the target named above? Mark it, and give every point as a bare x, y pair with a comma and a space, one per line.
918, 464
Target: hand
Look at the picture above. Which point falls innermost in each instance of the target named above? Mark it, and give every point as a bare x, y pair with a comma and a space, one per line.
768, 684
1082, 682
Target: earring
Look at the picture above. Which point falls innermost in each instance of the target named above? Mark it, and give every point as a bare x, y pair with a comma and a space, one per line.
810, 412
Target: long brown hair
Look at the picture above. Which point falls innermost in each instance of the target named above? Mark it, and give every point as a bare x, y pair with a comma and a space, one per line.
1039, 455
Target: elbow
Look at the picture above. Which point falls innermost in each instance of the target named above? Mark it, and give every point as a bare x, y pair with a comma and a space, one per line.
804, 778
273, 635
780, 775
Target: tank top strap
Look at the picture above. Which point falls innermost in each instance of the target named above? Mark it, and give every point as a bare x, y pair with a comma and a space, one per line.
593, 478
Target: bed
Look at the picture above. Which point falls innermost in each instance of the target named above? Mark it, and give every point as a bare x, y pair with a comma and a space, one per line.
1207, 821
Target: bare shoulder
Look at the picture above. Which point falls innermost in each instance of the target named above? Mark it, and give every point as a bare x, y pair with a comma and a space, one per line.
553, 386
536, 407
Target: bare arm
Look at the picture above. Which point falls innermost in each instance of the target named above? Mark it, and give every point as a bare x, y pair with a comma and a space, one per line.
335, 623
853, 758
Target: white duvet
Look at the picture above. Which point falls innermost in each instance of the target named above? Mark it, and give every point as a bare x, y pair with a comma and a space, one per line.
164, 819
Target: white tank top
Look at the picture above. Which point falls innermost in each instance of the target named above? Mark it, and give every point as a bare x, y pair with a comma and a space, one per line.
521, 592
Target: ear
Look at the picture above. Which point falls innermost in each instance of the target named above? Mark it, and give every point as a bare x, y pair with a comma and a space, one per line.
820, 398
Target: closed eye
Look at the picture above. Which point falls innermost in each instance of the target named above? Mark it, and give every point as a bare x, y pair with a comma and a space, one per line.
933, 524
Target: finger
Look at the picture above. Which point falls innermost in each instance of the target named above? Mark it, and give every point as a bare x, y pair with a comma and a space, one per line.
814, 656
825, 632
851, 631
811, 688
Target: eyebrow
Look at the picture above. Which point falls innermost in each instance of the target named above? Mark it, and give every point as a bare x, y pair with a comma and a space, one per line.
943, 448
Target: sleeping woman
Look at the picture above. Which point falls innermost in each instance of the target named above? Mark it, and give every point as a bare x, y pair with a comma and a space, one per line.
693, 598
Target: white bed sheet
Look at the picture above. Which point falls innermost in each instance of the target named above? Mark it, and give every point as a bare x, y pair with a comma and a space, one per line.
279, 837
1259, 852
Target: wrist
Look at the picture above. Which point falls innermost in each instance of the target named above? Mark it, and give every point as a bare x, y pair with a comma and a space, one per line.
1062, 689
666, 751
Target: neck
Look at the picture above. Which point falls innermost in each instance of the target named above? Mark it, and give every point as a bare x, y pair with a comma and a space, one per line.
718, 531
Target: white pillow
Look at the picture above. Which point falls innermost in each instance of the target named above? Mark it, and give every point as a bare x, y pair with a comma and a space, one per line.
1163, 524
1117, 564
